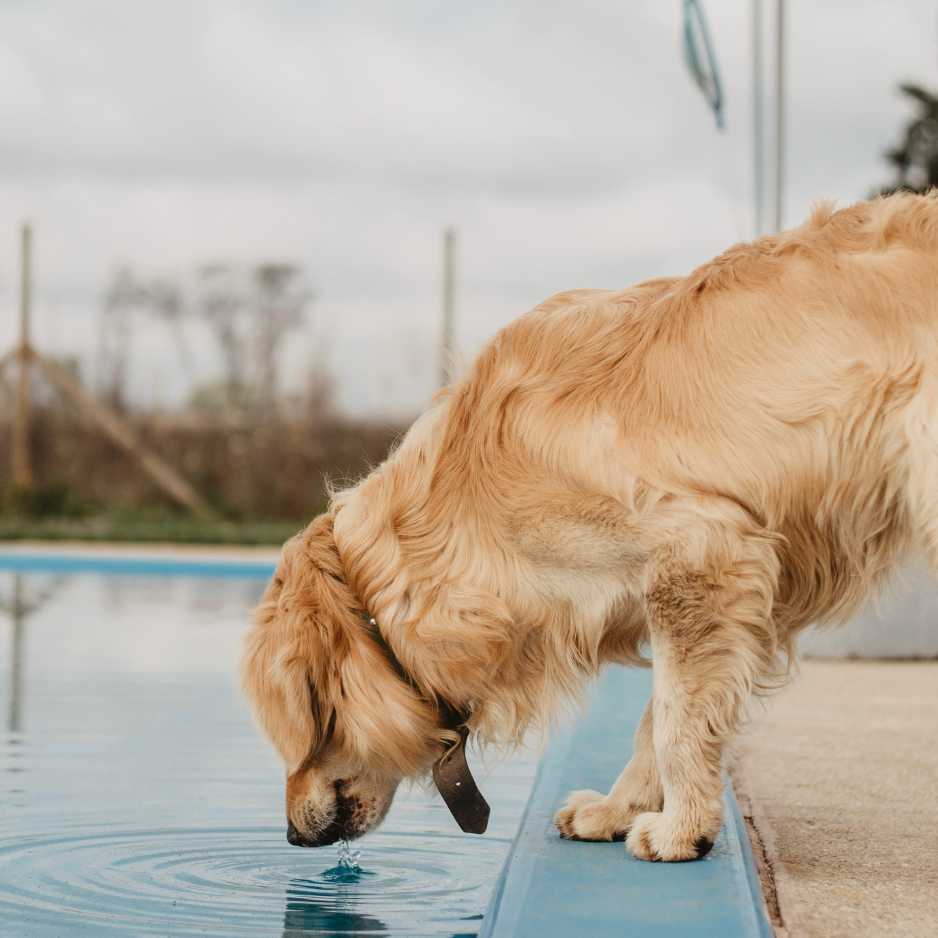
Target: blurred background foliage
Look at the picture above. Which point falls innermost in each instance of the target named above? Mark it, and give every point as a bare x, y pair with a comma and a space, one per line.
915, 159
259, 455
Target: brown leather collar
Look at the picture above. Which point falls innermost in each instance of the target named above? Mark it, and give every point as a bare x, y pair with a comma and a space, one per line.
451, 773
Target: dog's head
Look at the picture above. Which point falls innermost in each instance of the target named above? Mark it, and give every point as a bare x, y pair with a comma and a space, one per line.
347, 726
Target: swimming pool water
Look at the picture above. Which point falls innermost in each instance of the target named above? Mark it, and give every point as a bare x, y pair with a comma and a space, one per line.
137, 798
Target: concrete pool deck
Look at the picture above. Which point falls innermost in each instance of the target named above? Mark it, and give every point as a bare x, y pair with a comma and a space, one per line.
840, 776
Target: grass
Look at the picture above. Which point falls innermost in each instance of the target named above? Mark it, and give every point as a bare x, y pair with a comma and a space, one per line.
146, 528
56, 513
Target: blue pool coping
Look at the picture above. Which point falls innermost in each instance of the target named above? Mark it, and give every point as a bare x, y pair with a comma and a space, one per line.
553, 887
140, 565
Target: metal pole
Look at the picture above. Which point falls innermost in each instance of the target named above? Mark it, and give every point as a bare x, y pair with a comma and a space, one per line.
758, 133
22, 464
449, 284
779, 113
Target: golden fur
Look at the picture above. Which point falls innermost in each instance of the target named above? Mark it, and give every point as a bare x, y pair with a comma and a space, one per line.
700, 465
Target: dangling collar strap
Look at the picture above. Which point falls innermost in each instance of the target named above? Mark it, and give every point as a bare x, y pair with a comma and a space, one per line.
451, 772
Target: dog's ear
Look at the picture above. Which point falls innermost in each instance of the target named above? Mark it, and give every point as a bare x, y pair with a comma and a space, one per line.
277, 665
278, 683
383, 720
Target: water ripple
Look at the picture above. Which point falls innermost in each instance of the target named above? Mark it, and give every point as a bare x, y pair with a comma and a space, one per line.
237, 881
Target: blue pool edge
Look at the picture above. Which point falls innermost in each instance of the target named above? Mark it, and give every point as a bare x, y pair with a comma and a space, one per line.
548, 886
141, 564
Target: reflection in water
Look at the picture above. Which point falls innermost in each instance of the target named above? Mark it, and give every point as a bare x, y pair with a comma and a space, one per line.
17, 637
232, 596
152, 806
17, 607
412, 884
306, 913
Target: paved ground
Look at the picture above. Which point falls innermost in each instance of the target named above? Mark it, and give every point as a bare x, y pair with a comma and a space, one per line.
840, 775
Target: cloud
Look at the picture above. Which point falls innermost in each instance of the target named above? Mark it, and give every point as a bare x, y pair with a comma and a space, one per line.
566, 142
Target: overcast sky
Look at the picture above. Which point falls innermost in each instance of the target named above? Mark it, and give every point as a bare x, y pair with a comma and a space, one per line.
565, 141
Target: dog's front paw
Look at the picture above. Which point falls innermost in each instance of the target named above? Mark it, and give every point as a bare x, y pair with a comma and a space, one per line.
588, 815
658, 836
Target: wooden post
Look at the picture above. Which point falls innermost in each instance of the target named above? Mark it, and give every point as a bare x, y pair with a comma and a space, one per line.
22, 464
449, 282
161, 472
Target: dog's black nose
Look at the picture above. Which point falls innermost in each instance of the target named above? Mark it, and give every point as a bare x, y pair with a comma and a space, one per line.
296, 839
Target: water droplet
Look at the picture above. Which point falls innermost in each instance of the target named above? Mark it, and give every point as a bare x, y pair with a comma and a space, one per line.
348, 858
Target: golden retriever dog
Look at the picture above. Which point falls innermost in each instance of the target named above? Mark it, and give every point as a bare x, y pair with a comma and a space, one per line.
697, 467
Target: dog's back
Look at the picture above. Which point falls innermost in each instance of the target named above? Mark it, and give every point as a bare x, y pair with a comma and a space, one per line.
784, 376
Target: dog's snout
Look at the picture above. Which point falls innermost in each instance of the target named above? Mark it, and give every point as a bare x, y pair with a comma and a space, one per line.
294, 837
324, 817
323, 839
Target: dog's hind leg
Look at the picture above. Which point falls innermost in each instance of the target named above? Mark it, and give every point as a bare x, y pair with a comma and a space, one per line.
709, 613
589, 815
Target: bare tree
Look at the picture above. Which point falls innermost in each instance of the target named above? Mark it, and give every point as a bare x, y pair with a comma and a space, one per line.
248, 312
123, 299
222, 306
280, 307
165, 300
